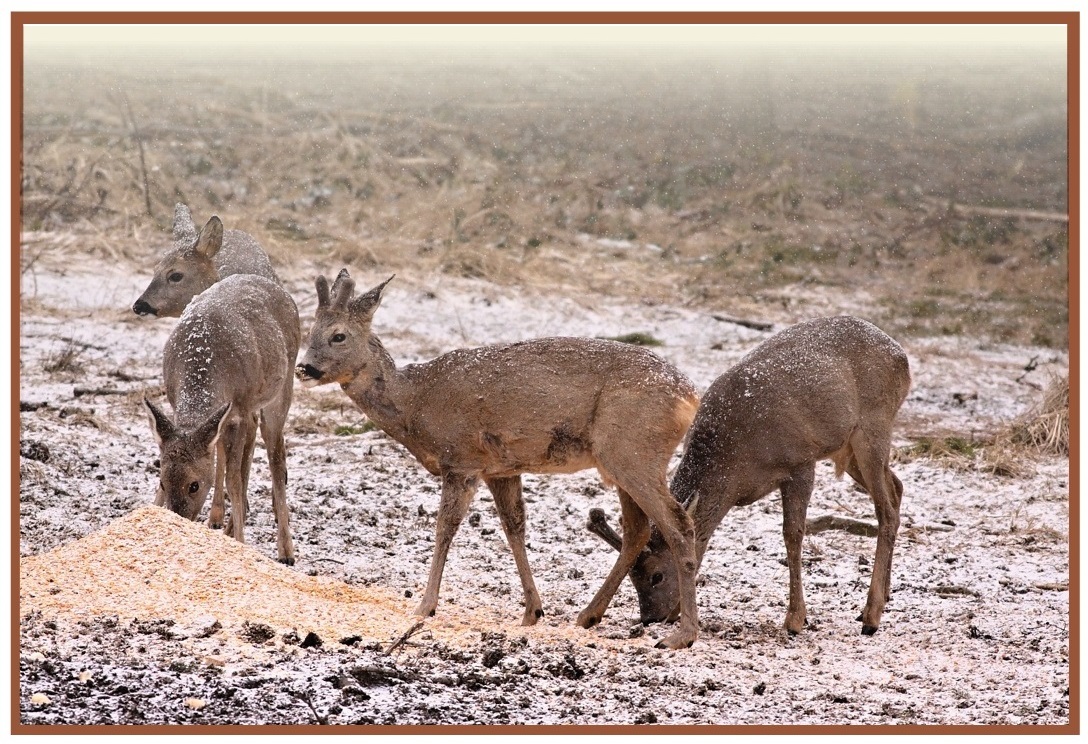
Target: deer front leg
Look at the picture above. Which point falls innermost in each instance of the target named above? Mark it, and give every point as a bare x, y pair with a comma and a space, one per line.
636, 532
511, 508
215, 517
236, 437
457, 492
795, 496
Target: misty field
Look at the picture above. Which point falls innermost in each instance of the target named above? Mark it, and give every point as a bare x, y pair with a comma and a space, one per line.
693, 200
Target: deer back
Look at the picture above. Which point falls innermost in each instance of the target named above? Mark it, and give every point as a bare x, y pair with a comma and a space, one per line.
540, 405
796, 398
235, 342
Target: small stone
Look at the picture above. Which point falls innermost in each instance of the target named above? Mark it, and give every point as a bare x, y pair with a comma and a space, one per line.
312, 640
35, 656
84, 677
40, 698
194, 703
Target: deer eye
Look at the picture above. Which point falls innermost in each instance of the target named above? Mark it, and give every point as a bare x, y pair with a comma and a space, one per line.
656, 578
175, 277
339, 338
194, 487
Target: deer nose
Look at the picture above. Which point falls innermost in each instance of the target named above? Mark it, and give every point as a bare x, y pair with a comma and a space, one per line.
142, 307
306, 372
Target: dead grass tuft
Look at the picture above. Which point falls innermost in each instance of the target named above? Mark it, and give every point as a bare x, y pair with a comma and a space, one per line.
1045, 427
65, 359
995, 457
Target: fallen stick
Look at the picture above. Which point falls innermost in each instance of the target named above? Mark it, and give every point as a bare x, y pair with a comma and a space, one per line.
79, 392
756, 325
1019, 214
833, 522
407, 634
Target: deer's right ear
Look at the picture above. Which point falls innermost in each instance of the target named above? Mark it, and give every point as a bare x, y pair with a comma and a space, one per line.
322, 285
183, 223
210, 239
161, 426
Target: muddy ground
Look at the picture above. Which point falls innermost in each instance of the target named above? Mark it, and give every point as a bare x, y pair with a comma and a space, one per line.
976, 631
662, 195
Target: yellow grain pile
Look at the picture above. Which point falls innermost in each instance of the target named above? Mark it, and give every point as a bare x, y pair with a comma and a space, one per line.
151, 564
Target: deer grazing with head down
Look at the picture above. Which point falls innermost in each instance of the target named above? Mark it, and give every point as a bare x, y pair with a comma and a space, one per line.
824, 389
197, 261
552, 405
227, 368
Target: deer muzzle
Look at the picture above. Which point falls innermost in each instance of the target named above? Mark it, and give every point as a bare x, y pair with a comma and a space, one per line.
308, 375
143, 307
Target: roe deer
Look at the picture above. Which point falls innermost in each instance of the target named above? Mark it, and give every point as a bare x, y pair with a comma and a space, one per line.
552, 405
227, 364
822, 389
198, 261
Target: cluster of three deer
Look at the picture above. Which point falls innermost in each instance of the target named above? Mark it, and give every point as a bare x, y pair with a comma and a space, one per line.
828, 388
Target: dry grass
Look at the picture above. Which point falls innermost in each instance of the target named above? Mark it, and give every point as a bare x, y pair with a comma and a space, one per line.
563, 180
1045, 427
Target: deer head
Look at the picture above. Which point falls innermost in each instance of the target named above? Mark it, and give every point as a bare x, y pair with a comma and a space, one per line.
654, 574
341, 347
185, 271
187, 469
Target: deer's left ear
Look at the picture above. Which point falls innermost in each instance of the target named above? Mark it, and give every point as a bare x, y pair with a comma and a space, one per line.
363, 307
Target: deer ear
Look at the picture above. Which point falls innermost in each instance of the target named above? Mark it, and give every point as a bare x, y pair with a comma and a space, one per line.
208, 433
364, 306
161, 426
183, 223
322, 285
210, 239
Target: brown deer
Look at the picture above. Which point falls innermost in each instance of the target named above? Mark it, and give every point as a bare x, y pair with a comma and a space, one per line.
552, 405
823, 389
196, 262
228, 364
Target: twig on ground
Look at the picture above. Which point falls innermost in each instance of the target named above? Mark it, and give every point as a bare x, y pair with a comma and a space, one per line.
756, 325
407, 634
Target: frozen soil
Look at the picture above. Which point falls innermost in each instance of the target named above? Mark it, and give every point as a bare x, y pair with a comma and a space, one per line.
976, 631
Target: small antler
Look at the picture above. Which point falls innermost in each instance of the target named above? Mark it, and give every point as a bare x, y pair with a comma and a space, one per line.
599, 526
342, 289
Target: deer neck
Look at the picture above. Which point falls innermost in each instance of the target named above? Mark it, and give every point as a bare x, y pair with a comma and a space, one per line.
382, 391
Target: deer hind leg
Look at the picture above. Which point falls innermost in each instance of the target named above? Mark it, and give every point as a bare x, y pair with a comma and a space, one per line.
795, 496
457, 492
871, 460
636, 532
215, 518
511, 508
272, 434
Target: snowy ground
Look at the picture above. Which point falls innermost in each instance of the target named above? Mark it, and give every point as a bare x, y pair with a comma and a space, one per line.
976, 631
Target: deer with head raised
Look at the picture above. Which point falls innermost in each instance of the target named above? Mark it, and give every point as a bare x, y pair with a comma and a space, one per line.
552, 405
227, 369
197, 261
823, 389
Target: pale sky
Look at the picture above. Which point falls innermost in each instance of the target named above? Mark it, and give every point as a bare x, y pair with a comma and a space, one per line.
50, 37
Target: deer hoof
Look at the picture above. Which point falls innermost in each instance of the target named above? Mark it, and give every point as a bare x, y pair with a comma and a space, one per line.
868, 630
588, 621
287, 561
